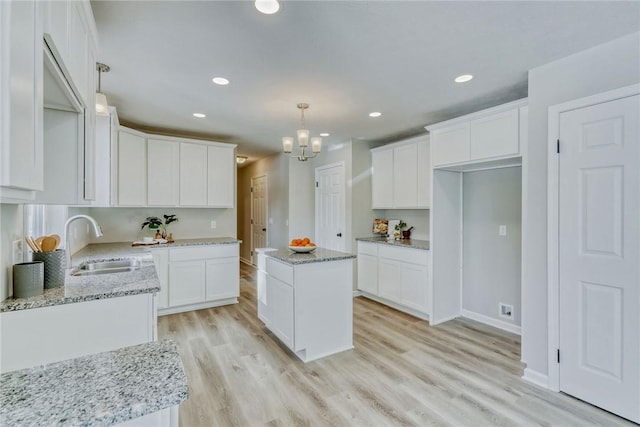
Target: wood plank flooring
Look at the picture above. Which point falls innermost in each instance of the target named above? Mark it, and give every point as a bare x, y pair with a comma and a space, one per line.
402, 372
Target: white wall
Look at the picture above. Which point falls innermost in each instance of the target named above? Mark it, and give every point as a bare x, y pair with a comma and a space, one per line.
10, 230
491, 263
276, 168
601, 68
123, 224
418, 218
301, 199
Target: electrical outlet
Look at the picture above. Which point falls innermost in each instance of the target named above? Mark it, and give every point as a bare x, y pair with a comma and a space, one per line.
505, 310
213, 224
17, 254
502, 230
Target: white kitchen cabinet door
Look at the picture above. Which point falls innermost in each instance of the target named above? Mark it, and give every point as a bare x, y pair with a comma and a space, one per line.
221, 167
223, 278
382, 179
280, 298
368, 273
21, 74
56, 24
193, 174
414, 282
90, 129
163, 164
389, 280
132, 169
450, 145
78, 49
405, 176
187, 280
161, 262
424, 175
494, 136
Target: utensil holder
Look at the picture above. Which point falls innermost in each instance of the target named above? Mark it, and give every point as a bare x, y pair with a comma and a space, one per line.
28, 279
54, 267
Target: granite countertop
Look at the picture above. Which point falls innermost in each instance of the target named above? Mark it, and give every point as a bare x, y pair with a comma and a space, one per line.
405, 243
101, 389
319, 255
101, 286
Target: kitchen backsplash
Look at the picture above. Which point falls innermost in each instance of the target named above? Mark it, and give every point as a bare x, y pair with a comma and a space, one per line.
418, 218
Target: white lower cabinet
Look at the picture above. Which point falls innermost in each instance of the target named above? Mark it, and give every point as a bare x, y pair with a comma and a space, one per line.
194, 277
309, 307
396, 276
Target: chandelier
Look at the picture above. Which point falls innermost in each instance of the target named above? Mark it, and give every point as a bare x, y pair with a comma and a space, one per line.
303, 140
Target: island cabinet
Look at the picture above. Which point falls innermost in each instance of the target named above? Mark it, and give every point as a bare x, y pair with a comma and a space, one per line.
494, 134
396, 275
195, 277
306, 300
401, 175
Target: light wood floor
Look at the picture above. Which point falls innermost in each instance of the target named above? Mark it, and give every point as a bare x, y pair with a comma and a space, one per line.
401, 372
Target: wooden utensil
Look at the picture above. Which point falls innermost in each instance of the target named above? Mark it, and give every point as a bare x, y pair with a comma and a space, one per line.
35, 245
48, 244
38, 242
31, 244
55, 236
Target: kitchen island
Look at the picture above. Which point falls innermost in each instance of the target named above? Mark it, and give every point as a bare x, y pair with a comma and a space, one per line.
137, 385
306, 300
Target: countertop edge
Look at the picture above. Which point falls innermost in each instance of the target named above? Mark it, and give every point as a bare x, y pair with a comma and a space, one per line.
423, 245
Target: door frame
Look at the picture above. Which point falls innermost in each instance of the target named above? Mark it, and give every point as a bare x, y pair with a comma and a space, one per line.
553, 267
344, 199
266, 214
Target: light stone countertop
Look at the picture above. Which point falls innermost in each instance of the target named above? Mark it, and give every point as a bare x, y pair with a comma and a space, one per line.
318, 255
405, 243
97, 390
101, 286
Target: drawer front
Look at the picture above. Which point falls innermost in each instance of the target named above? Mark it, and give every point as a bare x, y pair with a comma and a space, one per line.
280, 271
413, 256
203, 252
368, 248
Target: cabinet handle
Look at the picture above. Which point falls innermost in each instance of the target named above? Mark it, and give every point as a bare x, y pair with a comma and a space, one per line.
264, 229
339, 234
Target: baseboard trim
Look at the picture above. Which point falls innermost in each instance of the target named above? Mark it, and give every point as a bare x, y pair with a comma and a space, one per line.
396, 306
198, 306
357, 293
536, 378
505, 326
244, 261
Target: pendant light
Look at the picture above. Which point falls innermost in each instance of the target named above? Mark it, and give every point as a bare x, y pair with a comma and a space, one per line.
303, 139
102, 107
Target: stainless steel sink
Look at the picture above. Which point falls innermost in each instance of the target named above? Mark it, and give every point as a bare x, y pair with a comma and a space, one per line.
106, 267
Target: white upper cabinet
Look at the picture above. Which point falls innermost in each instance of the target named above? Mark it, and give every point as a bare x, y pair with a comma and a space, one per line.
154, 170
221, 167
193, 174
132, 169
401, 175
162, 172
21, 71
491, 134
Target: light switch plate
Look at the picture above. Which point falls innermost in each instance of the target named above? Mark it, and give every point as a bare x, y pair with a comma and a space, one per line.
502, 230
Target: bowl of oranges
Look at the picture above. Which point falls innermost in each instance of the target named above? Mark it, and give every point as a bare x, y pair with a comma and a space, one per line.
303, 245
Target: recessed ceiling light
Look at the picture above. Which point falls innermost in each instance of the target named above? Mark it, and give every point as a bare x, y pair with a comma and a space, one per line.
220, 81
199, 115
241, 159
268, 7
375, 114
463, 78
324, 134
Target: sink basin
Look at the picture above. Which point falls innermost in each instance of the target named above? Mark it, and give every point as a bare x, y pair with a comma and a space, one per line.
106, 267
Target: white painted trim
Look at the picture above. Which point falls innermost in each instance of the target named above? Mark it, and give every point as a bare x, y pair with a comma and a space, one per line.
357, 293
500, 324
479, 114
199, 306
553, 288
412, 140
247, 262
536, 378
396, 306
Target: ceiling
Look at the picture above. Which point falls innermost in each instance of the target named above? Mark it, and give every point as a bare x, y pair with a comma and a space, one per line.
345, 58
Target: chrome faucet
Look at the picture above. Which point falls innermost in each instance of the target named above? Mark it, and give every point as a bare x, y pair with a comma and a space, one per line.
96, 229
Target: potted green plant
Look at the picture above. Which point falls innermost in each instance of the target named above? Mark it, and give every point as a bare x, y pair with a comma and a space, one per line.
158, 224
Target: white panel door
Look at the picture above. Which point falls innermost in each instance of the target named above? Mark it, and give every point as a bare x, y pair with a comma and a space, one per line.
258, 215
187, 279
221, 180
330, 209
132, 170
599, 253
193, 174
163, 163
382, 179
405, 176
